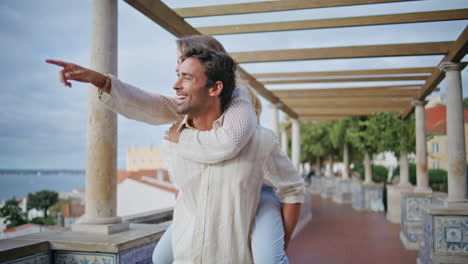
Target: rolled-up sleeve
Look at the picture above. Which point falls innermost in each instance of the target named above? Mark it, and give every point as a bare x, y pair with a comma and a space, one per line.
280, 173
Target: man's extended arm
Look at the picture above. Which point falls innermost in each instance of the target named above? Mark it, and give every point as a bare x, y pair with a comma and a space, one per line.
291, 212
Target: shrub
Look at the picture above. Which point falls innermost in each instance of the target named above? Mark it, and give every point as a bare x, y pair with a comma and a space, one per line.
437, 177
438, 180
50, 220
379, 173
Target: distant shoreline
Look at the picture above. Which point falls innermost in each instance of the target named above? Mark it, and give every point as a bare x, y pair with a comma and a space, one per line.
19, 183
39, 171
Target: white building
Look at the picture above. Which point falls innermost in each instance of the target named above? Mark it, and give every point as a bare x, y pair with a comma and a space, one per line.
77, 196
32, 213
142, 191
145, 158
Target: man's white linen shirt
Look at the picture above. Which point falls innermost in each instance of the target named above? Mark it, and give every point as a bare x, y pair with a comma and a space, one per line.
216, 205
217, 202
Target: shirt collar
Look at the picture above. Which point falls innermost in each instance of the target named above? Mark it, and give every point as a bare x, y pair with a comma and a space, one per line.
216, 124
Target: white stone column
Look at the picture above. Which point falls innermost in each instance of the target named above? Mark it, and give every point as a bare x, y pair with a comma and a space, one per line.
296, 143
345, 175
318, 168
330, 166
284, 141
275, 119
404, 170
101, 165
422, 177
367, 168
457, 178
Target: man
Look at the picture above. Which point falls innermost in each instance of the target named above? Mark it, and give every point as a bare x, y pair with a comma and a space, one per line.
214, 211
215, 208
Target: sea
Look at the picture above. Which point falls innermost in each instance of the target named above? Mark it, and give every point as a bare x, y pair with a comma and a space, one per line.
18, 183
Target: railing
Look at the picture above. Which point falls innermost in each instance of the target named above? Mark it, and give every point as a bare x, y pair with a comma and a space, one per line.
150, 217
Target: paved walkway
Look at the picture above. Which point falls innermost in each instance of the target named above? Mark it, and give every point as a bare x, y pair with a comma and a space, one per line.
339, 234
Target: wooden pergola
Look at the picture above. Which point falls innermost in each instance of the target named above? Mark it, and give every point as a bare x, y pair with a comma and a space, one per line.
325, 103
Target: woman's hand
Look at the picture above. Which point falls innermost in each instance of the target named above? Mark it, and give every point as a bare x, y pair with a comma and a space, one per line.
78, 73
173, 133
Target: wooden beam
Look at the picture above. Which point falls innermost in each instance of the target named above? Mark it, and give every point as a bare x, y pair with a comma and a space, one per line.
346, 105
164, 16
412, 49
367, 79
348, 111
344, 73
252, 82
168, 19
361, 88
347, 102
457, 51
446, 15
309, 118
363, 99
271, 6
344, 93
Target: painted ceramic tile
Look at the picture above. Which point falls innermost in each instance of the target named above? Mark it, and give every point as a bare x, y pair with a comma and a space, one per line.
41, 258
451, 234
414, 211
140, 255
67, 257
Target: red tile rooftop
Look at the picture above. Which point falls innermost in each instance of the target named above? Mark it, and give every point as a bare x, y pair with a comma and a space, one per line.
339, 234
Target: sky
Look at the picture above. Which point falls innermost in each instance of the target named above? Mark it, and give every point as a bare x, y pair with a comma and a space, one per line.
43, 123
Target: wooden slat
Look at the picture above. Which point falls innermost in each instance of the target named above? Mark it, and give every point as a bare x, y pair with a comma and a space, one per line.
367, 79
412, 49
345, 73
445, 15
346, 110
361, 88
164, 16
377, 104
271, 6
304, 101
265, 92
168, 19
456, 52
350, 93
307, 118
347, 101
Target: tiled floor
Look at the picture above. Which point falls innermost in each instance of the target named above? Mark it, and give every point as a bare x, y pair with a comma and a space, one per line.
339, 234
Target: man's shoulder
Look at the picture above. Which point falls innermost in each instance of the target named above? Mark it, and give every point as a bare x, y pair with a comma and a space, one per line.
266, 134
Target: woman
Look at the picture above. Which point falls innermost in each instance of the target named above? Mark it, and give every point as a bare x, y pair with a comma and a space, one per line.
268, 238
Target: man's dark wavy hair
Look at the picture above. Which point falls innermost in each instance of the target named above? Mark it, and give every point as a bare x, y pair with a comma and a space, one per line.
219, 66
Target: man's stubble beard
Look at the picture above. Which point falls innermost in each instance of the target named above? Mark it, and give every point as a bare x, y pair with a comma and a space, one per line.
188, 108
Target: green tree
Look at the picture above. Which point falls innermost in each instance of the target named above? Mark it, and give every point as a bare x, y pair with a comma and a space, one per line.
315, 141
42, 200
407, 134
388, 126
465, 103
12, 213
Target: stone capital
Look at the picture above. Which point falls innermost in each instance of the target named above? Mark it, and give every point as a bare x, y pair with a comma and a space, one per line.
418, 102
276, 106
452, 66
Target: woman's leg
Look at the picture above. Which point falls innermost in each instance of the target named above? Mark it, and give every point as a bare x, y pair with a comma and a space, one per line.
162, 253
268, 230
